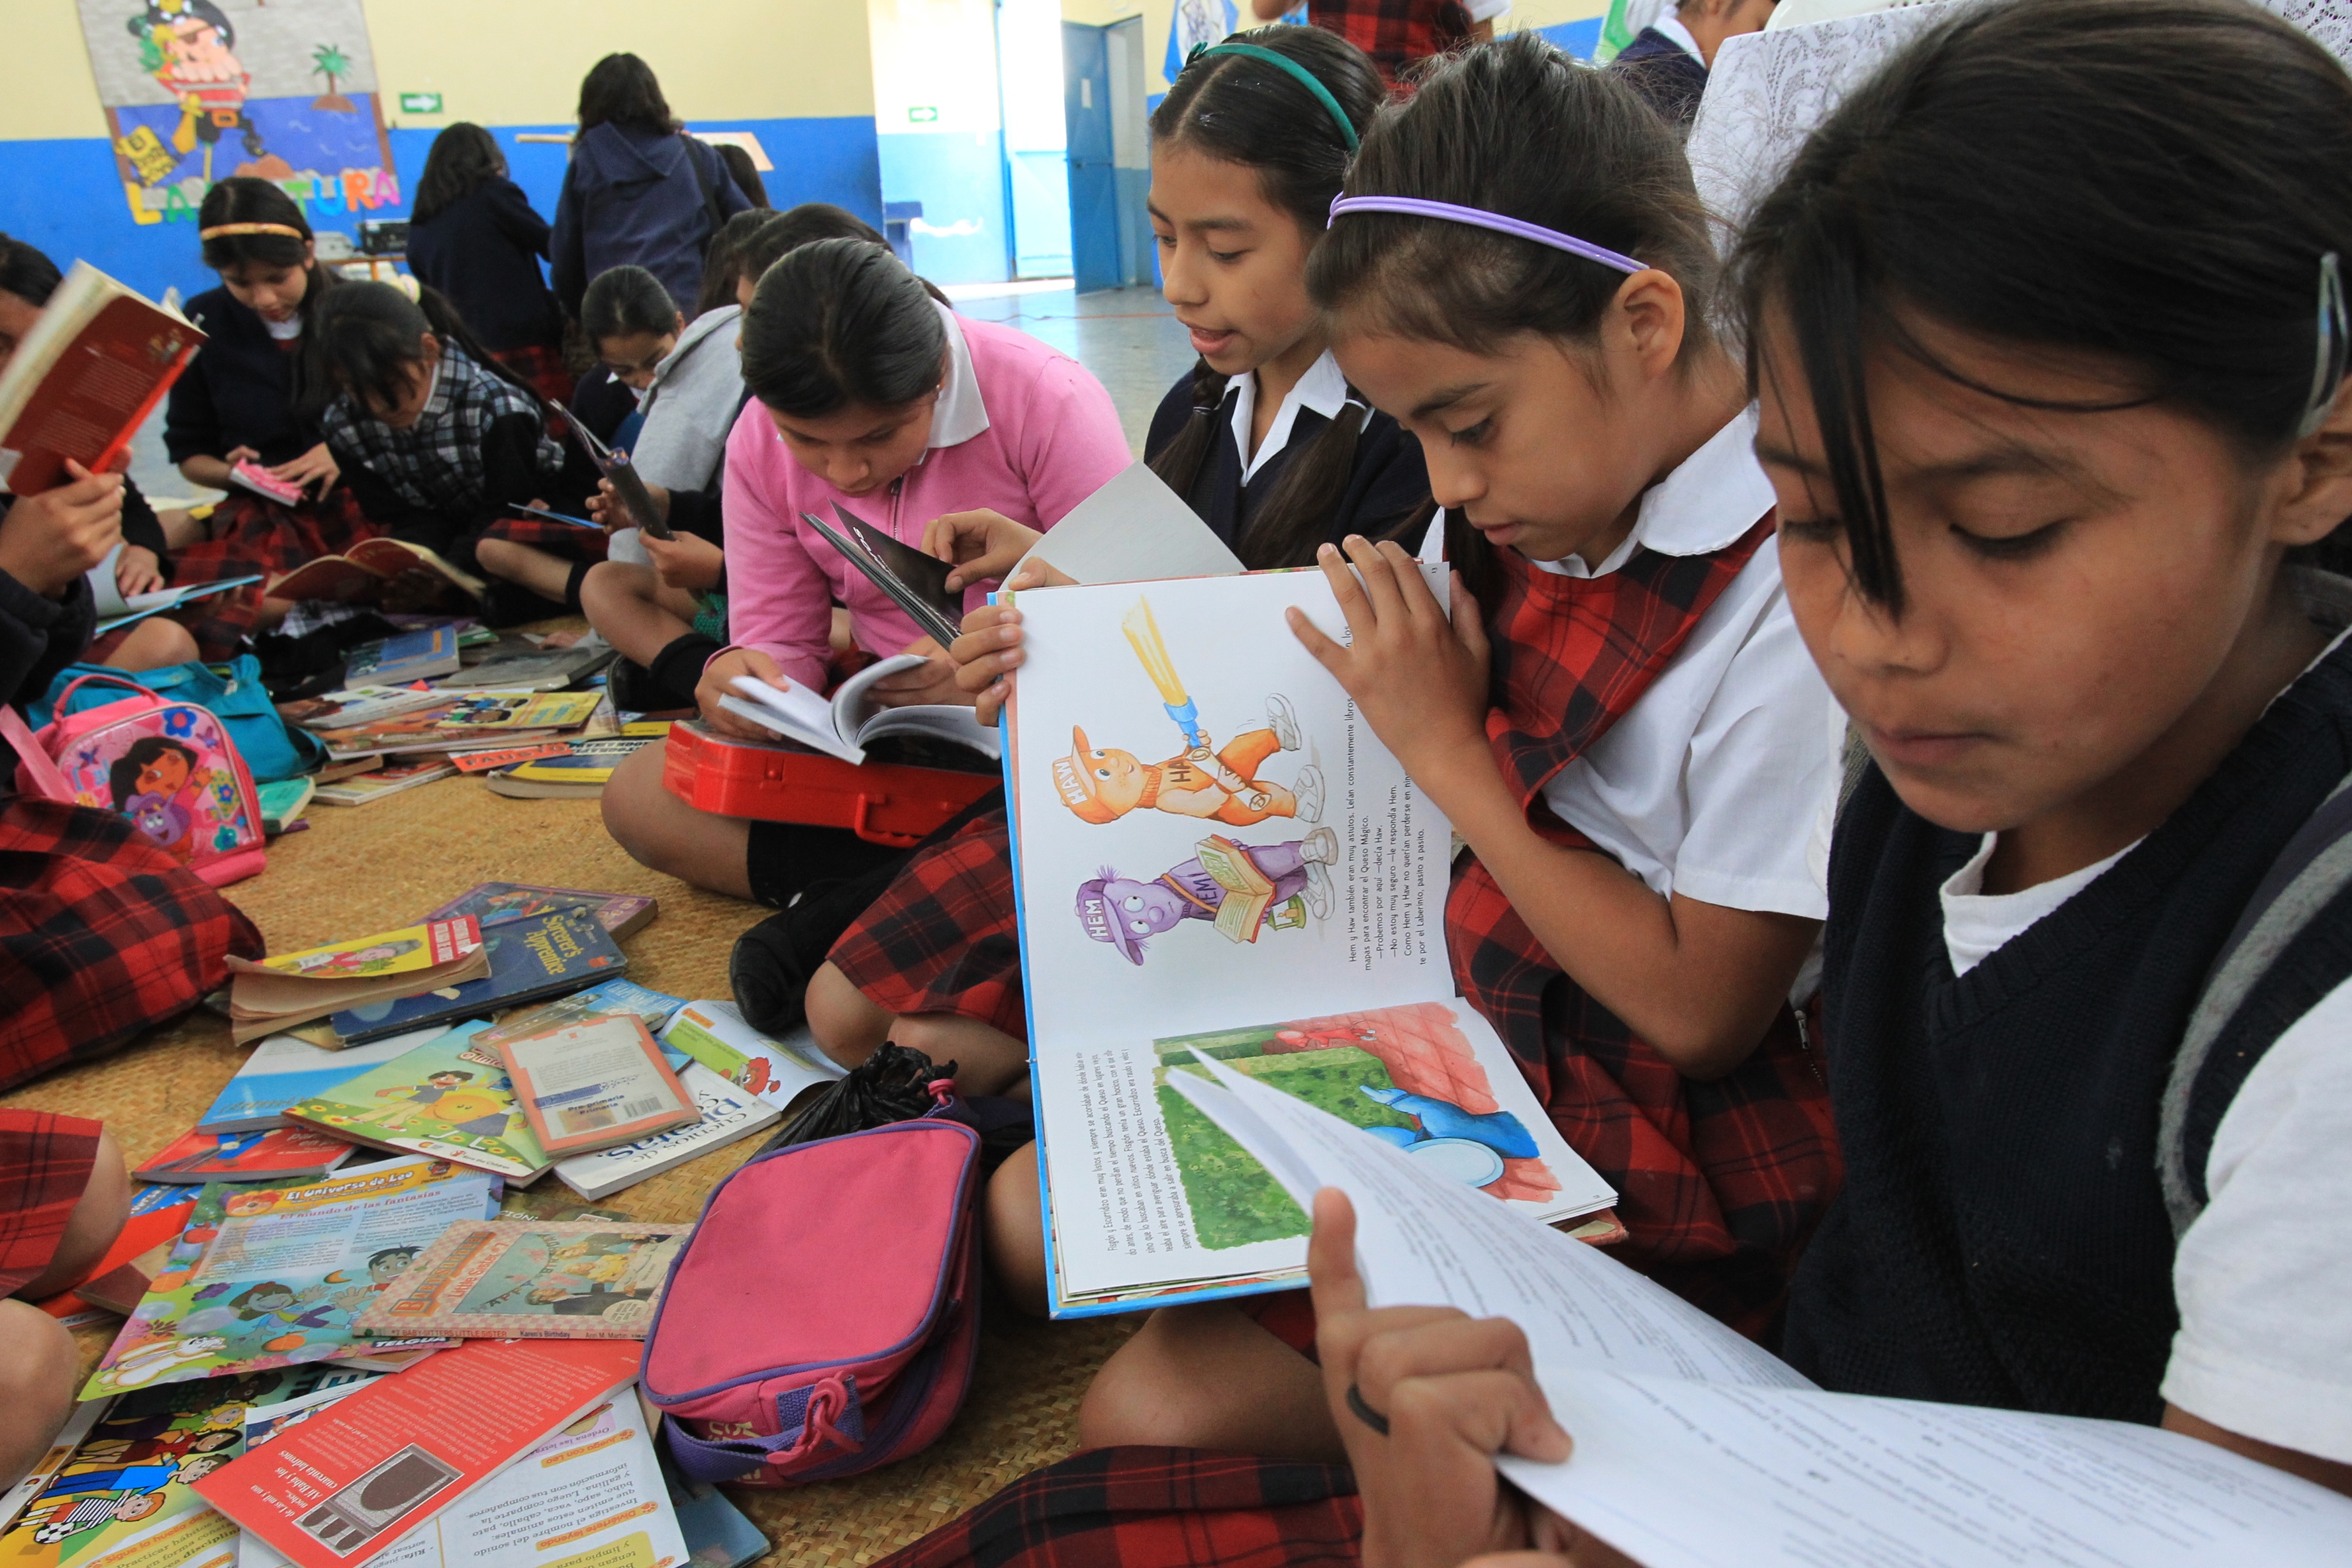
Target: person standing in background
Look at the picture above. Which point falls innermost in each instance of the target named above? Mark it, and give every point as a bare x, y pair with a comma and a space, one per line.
746, 175
475, 236
640, 192
1669, 60
1396, 33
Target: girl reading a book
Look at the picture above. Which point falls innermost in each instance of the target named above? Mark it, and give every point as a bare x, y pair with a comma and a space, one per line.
1625, 728
2060, 446
1264, 437
872, 396
440, 442
243, 401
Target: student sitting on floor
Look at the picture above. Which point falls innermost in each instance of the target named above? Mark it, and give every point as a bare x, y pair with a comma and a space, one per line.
64, 1194
875, 396
1619, 720
440, 443
474, 237
1264, 437
634, 325
2051, 428
27, 278
666, 612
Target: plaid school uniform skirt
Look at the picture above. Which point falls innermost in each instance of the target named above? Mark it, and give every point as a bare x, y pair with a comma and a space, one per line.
541, 367
44, 1163
943, 938
567, 541
102, 935
253, 536
1156, 1507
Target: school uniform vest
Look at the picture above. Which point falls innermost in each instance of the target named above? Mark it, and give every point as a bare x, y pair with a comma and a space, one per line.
2004, 1238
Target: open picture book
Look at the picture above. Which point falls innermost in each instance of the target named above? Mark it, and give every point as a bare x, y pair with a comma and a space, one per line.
359, 574
1697, 1448
852, 720
1217, 861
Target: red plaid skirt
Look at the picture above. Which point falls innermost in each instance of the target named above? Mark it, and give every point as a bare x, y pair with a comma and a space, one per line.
567, 539
254, 536
540, 365
45, 1164
943, 938
102, 935
1156, 1507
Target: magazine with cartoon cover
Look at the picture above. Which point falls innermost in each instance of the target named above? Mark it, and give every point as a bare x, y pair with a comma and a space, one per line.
272, 1277
449, 1098
507, 1278
1215, 856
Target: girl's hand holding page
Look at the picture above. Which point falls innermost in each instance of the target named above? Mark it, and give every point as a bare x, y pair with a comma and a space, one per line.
979, 544
934, 683
136, 571
1419, 679
1454, 1392
684, 561
606, 508
317, 465
991, 645
717, 676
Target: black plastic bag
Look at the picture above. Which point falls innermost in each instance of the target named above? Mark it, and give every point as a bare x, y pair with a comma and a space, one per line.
895, 1084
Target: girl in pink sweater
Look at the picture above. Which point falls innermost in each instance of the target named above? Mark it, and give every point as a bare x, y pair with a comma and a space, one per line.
869, 392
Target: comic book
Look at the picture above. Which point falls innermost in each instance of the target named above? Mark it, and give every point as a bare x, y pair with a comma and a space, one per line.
448, 1098
495, 714
1217, 858
283, 1068
622, 914
509, 1278
271, 1277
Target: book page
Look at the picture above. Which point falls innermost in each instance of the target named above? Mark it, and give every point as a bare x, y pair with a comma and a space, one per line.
1421, 1240
1133, 530
597, 1078
1147, 1191
1681, 1475
1207, 832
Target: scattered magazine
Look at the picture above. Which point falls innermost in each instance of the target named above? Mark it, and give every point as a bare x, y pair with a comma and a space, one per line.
1697, 1448
917, 583
1218, 860
853, 720
651, 1008
359, 574
367, 788
492, 715
282, 1069
448, 1098
423, 654
84, 379
576, 771
517, 1278
272, 1277
728, 1113
61, 1448
529, 960
129, 1480
271, 993
532, 669
622, 914
714, 1033
340, 1489
593, 1083
283, 802
278, 1153
483, 761
358, 705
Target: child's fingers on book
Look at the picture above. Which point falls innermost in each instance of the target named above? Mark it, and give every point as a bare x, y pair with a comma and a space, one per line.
1327, 654
1345, 588
1440, 1346
991, 703
1381, 587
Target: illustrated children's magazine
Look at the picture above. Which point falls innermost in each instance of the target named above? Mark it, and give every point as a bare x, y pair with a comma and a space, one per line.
272, 1277
1218, 860
278, 1153
714, 1033
541, 955
622, 914
448, 1098
284, 989
512, 1279
283, 1069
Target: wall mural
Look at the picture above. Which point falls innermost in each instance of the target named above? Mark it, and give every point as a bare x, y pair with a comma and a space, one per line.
197, 90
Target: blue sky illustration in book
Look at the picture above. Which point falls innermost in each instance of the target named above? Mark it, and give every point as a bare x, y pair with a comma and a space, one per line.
197, 90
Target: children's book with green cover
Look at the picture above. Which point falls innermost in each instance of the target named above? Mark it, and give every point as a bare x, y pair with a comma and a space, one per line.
449, 1098
272, 1277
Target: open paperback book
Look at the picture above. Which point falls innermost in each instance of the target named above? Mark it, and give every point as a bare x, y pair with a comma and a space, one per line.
84, 379
1697, 1448
844, 726
1217, 860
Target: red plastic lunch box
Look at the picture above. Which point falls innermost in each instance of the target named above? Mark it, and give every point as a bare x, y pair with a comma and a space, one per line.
882, 803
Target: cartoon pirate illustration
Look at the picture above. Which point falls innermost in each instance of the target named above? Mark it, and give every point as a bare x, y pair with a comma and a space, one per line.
1243, 889
187, 46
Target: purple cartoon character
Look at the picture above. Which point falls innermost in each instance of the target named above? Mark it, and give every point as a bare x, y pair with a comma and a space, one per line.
1242, 889
161, 819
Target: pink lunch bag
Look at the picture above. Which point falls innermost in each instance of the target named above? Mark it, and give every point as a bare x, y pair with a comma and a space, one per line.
168, 766
823, 1317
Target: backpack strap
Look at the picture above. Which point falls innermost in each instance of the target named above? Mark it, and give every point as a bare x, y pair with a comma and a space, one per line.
2311, 874
58, 708
33, 758
814, 1412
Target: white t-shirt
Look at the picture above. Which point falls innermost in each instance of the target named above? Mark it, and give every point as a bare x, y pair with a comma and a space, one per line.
2263, 1276
1709, 785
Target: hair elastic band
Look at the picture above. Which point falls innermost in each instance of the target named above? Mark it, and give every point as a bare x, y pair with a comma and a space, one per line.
1477, 217
2334, 348
1306, 78
224, 230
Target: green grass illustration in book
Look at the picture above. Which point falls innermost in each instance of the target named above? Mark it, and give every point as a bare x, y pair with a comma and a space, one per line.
1403, 1074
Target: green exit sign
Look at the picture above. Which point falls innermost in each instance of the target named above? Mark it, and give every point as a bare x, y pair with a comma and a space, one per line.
922, 115
420, 103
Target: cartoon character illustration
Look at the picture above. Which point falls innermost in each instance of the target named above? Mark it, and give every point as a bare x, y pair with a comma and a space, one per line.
155, 783
414, 1100
1500, 1130
188, 46
153, 1360
1243, 889
1103, 784
388, 1265
272, 1307
166, 822
474, 1113
370, 960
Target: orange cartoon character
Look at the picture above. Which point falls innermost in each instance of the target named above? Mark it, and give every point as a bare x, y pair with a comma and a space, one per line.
1103, 784
188, 47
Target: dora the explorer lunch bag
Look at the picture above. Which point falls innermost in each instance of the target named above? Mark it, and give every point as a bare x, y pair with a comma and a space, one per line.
823, 1317
170, 767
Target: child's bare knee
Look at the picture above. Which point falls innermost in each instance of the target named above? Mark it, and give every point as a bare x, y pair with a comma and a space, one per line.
39, 1367
848, 1026
988, 1060
613, 585
96, 1220
499, 557
634, 803
1015, 1231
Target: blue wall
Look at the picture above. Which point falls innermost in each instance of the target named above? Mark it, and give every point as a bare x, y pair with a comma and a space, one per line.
959, 176
66, 195
1578, 38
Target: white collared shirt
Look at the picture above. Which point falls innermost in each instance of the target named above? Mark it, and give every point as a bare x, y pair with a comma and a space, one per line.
1672, 26
1708, 786
1324, 389
959, 413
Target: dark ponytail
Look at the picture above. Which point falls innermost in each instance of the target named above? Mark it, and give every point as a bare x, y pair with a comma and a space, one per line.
623, 301
841, 321
368, 335
2147, 183
1247, 111
1611, 172
462, 157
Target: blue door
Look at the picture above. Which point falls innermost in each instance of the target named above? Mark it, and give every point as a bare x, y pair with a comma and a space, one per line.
1094, 186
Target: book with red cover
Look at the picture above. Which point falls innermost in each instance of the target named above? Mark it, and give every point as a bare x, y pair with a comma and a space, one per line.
281, 1152
334, 1491
359, 574
85, 378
